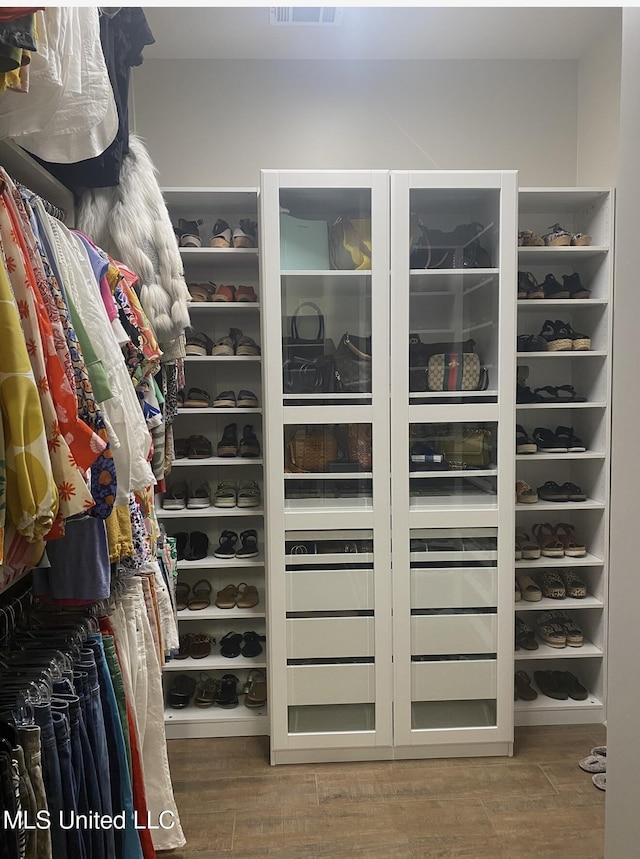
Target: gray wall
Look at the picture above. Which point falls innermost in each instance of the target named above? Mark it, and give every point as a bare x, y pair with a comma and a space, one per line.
217, 122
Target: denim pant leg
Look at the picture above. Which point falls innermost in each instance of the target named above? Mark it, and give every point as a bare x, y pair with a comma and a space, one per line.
30, 741
51, 776
9, 802
61, 727
27, 801
118, 687
127, 839
98, 743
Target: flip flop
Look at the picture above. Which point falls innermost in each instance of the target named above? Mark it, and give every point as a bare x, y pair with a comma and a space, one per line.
201, 596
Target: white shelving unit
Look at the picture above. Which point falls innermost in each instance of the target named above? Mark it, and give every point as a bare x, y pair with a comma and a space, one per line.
215, 374
590, 211
329, 549
452, 553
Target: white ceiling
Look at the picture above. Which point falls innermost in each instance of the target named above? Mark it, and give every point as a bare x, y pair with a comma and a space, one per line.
383, 33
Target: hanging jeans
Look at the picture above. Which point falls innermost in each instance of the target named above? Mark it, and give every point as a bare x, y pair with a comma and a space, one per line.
27, 802
30, 741
51, 777
62, 730
70, 709
9, 837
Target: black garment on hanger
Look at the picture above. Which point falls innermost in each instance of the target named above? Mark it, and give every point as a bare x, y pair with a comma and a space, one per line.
123, 37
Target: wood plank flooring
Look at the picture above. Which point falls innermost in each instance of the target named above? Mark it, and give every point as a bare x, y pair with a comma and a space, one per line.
538, 803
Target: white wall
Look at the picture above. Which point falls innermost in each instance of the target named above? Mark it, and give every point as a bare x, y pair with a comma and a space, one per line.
217, 122
599, 108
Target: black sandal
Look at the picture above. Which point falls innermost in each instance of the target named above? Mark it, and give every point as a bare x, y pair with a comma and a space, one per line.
227, 545
182, 688
555, 397
249, 548
227, 695
230, 645
252, 646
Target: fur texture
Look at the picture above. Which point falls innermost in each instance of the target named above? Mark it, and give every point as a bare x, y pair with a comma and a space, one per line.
131, 222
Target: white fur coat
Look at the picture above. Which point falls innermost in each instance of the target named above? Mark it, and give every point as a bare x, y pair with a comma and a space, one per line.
131, 222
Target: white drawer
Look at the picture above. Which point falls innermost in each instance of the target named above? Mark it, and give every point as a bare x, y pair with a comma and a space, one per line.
329, 590
450, 680
433, 635
455, 587
330, 684
331, 637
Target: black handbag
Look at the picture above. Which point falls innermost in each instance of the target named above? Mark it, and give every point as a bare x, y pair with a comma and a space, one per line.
459, 248
300, 376
353, 365
306, 333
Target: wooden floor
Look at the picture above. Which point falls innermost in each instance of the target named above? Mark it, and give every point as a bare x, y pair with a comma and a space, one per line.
538, 803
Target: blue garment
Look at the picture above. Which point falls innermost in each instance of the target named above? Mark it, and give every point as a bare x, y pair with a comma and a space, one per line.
51, 777
62, 730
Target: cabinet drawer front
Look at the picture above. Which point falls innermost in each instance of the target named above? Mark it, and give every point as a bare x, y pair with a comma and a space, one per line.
315, 638
329, 590
466, 680
456, 587
330, 684
433, 635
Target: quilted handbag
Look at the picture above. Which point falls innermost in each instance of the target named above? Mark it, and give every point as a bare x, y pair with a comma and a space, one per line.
353, 364
312, 449
359, 444
350, 244
456, 371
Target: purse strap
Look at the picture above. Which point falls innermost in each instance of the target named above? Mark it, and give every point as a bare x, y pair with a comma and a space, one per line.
319, 316
354, 349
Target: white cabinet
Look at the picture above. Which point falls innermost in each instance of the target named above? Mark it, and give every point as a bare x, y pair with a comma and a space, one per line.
453, 266
213, 268
584, 270
325, 330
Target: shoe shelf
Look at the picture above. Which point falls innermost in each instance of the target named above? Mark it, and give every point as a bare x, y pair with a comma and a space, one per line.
325, 273
588, 560
224, 358
220, 411
225, 306
548, 711
560, 506
213, 563
559, 303
537, 256
338, 475
196, 722
226, 255
216, 662
217, 460
231, 614
547, 604
537, 457
544, 651
560, 406
466, 473
209, 512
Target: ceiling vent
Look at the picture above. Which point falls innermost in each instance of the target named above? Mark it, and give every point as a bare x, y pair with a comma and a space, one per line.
320, 16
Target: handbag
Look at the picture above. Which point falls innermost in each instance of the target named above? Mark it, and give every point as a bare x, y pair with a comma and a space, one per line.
305, 338
311, 449
359, 445
420, 353
459, 248
300, 376
352, 360
350, 244
456, 371
304, 244
465, 447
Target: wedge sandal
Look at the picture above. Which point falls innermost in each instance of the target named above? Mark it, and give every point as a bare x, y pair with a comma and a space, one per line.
525, 636
528, 286
572, 547
530, 550
524, 443
523, 688
529, 589
556, 337
551, 546
557, 237
197, 398
551, 632
573, 584
524, 493
551, 585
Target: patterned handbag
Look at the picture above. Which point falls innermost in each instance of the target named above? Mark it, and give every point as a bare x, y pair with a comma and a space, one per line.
359, 444
456, 371
311, 449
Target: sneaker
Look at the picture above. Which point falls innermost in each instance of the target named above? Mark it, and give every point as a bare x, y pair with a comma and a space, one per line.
247, 346
199, 496
221, 235
246, 293
249, 444
189, 233
228, 444
249, 494
247, 400
175, 498
574, 287
199, 344
245, 235
249, 547
225, 400
225, 292
226, 494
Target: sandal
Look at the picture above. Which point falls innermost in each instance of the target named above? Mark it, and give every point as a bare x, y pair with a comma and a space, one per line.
207, 688
552, 288
574, 285
175, 498
523, 688
197, 399
567, 439
579, 342
565, 533
572, 686
201, 596
547, 441
551, 546
201, 645
552, 585
189, 233
226, 598
525, 636
199, 447
574, 634
249, 548
180, 448
249, 494
550, 631
226, 494
528, 239
252, 646
199, 344
182, 688
227, 696
230, 645
580, 240
528, 588
524, 493
573, 491
182, 595
557, 237
255, 688
528, 286
556, 336
227, 545
573, 584
551, 491
530, 551
184, 651
248, 596
198, 546
530, 343
525, 395
181, 538
220, 235
555, 397
550, 685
